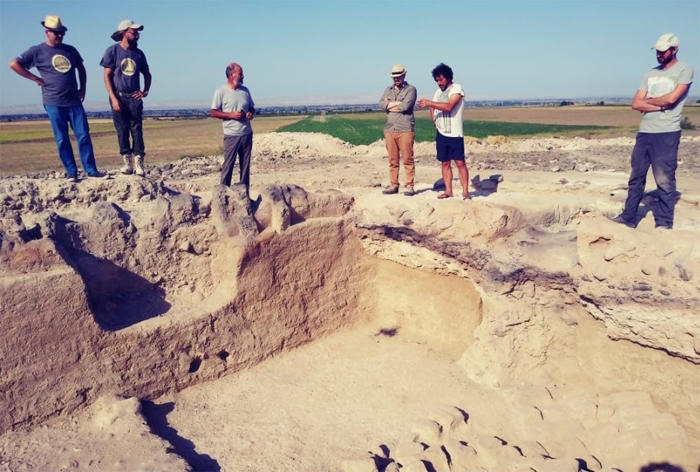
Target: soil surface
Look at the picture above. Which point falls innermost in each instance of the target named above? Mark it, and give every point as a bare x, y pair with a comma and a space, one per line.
519, 330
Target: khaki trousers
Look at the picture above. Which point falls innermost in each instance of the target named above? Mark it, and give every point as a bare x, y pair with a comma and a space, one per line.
400, 144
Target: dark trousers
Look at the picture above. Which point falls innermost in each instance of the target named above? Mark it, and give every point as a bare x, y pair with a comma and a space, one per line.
241, 146
660, 151
129, 125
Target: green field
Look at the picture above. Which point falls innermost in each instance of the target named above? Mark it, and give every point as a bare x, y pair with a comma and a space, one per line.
368, 128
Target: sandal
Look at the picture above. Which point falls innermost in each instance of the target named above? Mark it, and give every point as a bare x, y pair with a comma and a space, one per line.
466, 196
444, 195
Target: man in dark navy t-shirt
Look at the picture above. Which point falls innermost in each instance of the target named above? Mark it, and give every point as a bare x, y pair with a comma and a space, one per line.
62, 94
124, 63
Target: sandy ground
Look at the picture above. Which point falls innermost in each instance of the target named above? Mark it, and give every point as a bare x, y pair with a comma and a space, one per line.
419, 383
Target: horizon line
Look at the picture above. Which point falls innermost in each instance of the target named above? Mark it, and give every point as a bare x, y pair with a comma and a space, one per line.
174, 104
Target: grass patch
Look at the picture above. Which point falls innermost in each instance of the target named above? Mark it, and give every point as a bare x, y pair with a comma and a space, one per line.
482, 129
368, 129
354, 131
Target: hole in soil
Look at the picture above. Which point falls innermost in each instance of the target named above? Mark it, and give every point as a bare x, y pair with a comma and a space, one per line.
194, 365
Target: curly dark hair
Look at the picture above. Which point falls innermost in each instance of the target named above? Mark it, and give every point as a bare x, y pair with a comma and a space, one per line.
442, 70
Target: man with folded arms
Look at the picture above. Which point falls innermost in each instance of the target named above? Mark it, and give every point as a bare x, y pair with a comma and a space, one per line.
660, 99
399, 133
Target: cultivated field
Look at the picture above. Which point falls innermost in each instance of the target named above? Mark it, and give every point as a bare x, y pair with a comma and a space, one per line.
29, 146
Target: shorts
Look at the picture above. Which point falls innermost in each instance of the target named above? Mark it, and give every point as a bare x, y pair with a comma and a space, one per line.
449, 148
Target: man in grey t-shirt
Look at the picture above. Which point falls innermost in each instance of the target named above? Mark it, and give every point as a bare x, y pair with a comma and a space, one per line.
234, 106
660, 99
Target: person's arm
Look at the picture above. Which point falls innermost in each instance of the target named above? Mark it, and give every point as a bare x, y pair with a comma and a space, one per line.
82, 80
442, 106
23, 72
405, 104
113, 100
251, 112
384, 101
670, 99
226, 115
147, 80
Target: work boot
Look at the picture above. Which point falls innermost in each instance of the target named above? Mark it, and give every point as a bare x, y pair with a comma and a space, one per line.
624, 221
390, 190
126, 169
138, 166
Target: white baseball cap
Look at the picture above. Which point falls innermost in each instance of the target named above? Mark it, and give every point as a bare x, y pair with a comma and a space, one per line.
665, 41
123, 26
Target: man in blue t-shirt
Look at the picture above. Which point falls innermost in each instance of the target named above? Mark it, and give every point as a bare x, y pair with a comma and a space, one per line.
62, 95
660, 99
124, 63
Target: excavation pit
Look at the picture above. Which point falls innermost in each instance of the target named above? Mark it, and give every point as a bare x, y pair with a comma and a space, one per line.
321, 331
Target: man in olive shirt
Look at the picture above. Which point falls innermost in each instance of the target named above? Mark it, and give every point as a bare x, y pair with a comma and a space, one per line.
398, 101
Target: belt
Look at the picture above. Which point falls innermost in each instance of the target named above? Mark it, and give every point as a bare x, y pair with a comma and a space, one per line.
125, 94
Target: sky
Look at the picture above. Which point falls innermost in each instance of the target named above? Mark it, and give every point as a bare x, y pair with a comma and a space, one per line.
341, 51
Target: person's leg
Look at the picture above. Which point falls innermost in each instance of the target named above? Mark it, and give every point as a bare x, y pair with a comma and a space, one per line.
244, 152
457, 154
405, 144
121, 126
638, 177
463, 174
231, 145
392, 149
664, 162
136, 127
442, 149
447, 178
81, 129
59, 116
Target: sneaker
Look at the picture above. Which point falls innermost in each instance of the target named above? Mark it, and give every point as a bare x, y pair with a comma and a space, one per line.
390, 191
623, 221
96, 174
72, 178
409, 192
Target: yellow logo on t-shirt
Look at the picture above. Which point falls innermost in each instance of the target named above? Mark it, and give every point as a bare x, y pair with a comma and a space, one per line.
60, 63
128, 67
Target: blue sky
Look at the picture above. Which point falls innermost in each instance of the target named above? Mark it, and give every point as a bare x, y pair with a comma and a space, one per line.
340, 51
